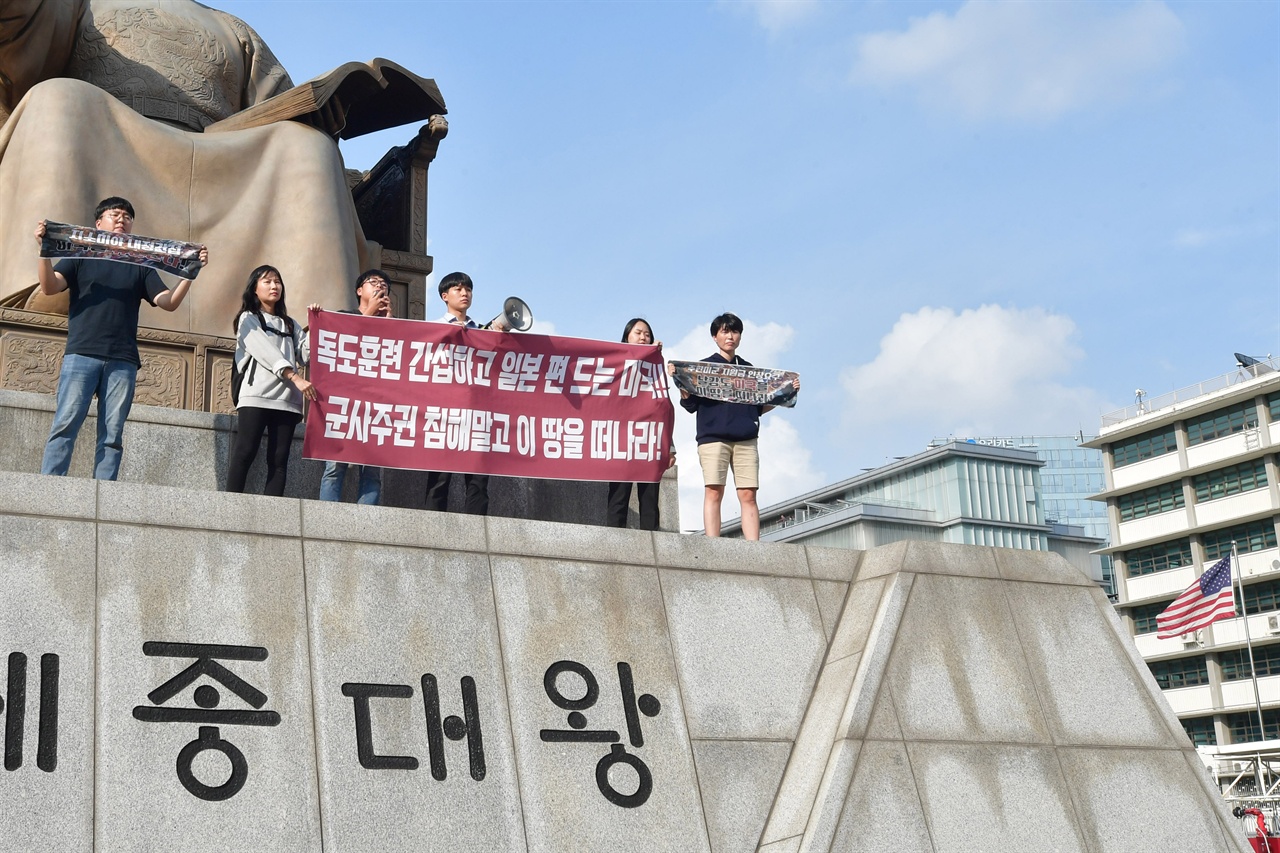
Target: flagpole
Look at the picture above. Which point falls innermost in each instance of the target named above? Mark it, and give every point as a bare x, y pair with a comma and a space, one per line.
1253, 672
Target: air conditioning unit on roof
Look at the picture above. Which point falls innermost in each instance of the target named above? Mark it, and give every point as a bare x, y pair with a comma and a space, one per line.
1273, 623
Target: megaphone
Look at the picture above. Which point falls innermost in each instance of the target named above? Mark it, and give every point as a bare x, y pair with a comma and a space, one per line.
516, 316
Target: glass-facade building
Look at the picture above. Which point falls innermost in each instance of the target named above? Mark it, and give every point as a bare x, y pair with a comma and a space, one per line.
963, 492
1072, 475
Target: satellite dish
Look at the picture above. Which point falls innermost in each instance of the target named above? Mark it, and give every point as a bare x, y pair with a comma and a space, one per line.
1253, 365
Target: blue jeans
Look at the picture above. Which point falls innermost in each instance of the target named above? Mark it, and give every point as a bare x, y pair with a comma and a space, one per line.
335, 473
82, 378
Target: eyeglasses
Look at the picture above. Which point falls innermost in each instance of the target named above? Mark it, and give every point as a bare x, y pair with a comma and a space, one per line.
117, 214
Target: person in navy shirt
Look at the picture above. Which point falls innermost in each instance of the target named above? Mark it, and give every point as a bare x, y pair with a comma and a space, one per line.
727, 438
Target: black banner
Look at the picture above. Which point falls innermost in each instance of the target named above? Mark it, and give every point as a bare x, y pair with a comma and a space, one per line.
75, 241
733, 383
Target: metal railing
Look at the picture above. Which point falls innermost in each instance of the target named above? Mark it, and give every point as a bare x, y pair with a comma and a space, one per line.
1146, 405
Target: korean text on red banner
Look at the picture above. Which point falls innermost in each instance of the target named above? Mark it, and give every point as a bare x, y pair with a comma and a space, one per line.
437, 397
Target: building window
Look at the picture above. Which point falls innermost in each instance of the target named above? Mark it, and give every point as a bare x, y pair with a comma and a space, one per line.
1151, 501
1200, 730
1244, 726
1259, 598
1144, 617
1273, 406
1244, 477
1144, 446
1158, 557
1235, 418
1235, 663
1182, 672
1255, 536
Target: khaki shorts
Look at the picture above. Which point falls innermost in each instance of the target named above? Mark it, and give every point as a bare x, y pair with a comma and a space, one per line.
718, 456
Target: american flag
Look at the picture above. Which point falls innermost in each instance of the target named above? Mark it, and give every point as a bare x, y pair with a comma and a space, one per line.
1204, 602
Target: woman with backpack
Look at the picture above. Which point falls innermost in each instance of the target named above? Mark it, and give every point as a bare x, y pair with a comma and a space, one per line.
270, 346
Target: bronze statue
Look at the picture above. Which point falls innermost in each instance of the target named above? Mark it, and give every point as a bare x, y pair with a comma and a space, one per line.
123, 97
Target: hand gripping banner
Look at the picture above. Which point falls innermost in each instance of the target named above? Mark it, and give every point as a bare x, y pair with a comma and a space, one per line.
733, 383
437, 397
75, 241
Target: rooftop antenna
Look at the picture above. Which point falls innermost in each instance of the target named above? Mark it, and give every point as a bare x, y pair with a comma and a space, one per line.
1139, 397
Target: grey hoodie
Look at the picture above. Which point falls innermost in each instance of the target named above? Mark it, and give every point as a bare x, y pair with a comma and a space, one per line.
261, 353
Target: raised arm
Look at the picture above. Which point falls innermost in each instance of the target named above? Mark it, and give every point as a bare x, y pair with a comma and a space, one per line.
171, 299
51, 281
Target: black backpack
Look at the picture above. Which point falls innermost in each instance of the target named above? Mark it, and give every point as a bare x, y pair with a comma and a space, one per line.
237, 379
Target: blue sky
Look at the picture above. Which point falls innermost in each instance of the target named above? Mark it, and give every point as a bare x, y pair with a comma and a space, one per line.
951, 218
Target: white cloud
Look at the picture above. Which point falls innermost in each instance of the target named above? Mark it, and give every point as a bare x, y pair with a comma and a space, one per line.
1200, 238
1023, 60
786, 465
763, 346
773, 15
983, 371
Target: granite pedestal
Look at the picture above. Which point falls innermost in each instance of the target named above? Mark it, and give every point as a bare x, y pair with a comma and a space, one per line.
187, 670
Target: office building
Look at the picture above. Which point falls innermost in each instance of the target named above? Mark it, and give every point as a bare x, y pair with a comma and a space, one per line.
1188, 475
962, 492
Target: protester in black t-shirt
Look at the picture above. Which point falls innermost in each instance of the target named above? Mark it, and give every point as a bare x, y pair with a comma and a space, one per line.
101, 357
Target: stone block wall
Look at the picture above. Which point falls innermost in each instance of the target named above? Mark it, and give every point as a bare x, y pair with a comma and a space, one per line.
190, 670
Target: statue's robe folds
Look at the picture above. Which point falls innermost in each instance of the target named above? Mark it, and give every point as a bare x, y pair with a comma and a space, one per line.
150, 75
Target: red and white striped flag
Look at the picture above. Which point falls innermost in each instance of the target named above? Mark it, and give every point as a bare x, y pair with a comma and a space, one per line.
1203, 603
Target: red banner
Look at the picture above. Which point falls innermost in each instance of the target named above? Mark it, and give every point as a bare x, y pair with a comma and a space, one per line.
437, 397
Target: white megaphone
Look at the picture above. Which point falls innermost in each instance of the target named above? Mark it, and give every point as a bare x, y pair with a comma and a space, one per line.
516, 316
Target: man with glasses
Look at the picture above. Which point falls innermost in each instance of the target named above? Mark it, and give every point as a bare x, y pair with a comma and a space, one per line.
375, 301
101, 357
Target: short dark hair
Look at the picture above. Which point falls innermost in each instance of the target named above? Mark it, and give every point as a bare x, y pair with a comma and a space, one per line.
113, 203
631, 324
368, 274
726, 321
455, 278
